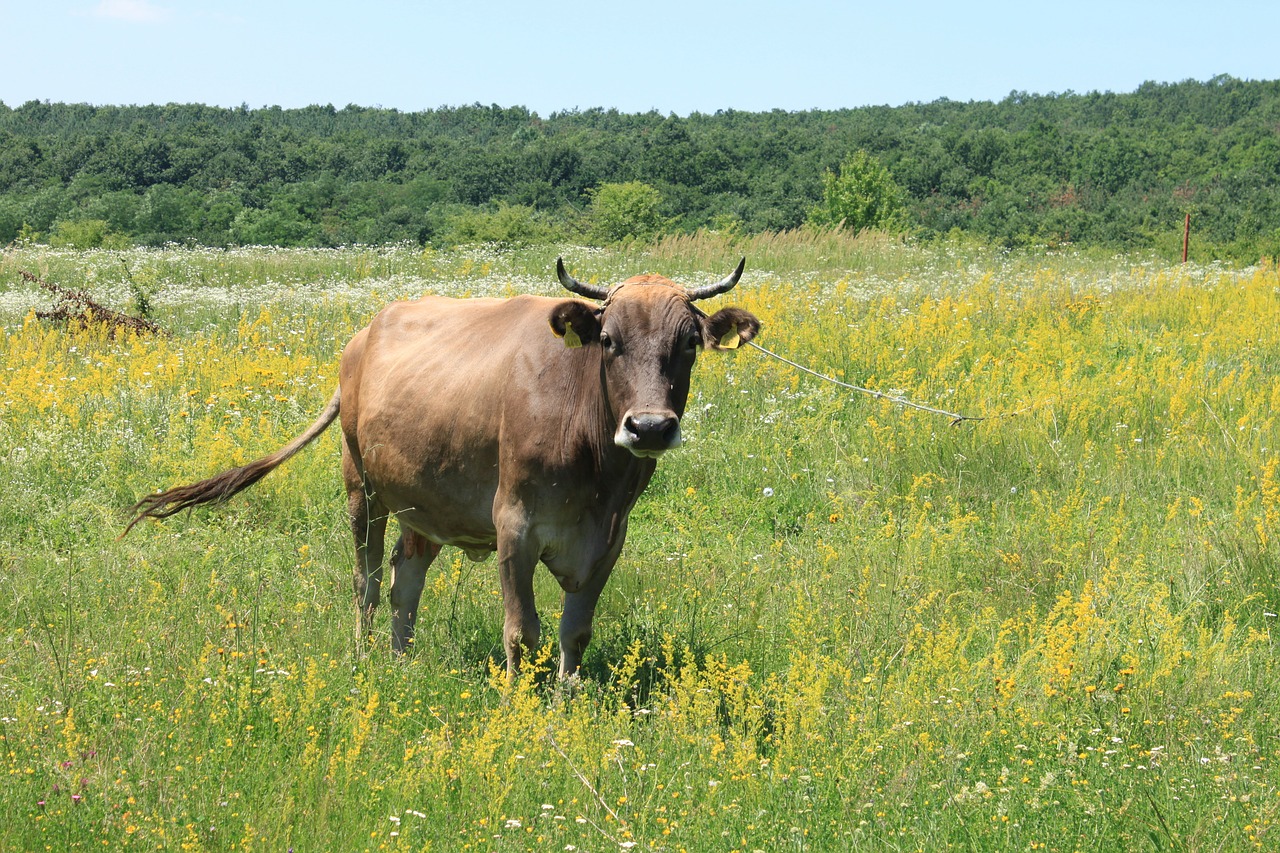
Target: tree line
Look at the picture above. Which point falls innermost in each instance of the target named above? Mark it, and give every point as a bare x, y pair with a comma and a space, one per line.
1118, 170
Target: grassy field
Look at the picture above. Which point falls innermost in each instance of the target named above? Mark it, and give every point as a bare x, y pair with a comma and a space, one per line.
838, 624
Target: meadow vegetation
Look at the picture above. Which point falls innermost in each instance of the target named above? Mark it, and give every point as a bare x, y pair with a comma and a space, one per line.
838, 624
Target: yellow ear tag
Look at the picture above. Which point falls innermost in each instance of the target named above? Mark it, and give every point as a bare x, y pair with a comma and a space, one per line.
730, 339
571, 339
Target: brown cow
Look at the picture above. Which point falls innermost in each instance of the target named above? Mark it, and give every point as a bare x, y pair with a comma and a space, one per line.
477, 427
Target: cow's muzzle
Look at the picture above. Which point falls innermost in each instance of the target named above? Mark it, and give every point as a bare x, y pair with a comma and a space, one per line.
648, 434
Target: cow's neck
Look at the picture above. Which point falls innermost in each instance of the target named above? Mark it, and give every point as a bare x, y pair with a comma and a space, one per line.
627, 475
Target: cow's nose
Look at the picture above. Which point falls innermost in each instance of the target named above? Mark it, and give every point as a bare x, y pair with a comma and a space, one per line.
651, 427
649, 432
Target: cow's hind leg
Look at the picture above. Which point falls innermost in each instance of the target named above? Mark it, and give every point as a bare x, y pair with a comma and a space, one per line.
409, 561
369, 527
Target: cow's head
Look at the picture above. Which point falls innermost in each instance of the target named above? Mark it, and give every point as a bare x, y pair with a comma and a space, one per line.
649, 332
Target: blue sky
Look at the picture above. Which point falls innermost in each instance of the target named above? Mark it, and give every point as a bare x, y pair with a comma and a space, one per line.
675, 57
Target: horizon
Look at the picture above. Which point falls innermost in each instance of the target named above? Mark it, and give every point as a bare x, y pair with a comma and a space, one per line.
674, 58
606, 109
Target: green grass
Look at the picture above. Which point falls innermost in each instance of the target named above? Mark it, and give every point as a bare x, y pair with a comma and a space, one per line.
837, 624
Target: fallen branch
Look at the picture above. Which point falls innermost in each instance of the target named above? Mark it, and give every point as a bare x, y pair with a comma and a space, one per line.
78, 306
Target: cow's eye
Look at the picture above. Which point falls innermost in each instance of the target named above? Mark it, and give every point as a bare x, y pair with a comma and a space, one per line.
606, 340
693, 343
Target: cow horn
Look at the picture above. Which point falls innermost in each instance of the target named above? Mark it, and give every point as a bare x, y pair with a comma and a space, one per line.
724, 285
591, 291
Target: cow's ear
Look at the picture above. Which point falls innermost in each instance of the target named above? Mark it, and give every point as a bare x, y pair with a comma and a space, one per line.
575, 321
730, 328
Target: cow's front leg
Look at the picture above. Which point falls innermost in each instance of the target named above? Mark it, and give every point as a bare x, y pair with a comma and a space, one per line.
521, 629
409, 561
576, 621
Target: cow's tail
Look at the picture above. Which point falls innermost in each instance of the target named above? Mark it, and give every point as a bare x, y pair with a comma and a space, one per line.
219, 488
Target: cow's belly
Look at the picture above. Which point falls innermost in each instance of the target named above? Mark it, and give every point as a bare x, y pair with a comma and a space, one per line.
475, 541
433, 480
461, 516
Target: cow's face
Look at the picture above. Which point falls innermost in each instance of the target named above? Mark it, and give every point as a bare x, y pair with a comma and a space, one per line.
649, 334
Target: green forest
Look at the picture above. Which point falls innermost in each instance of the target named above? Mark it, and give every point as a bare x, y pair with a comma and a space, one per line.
1099, 169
